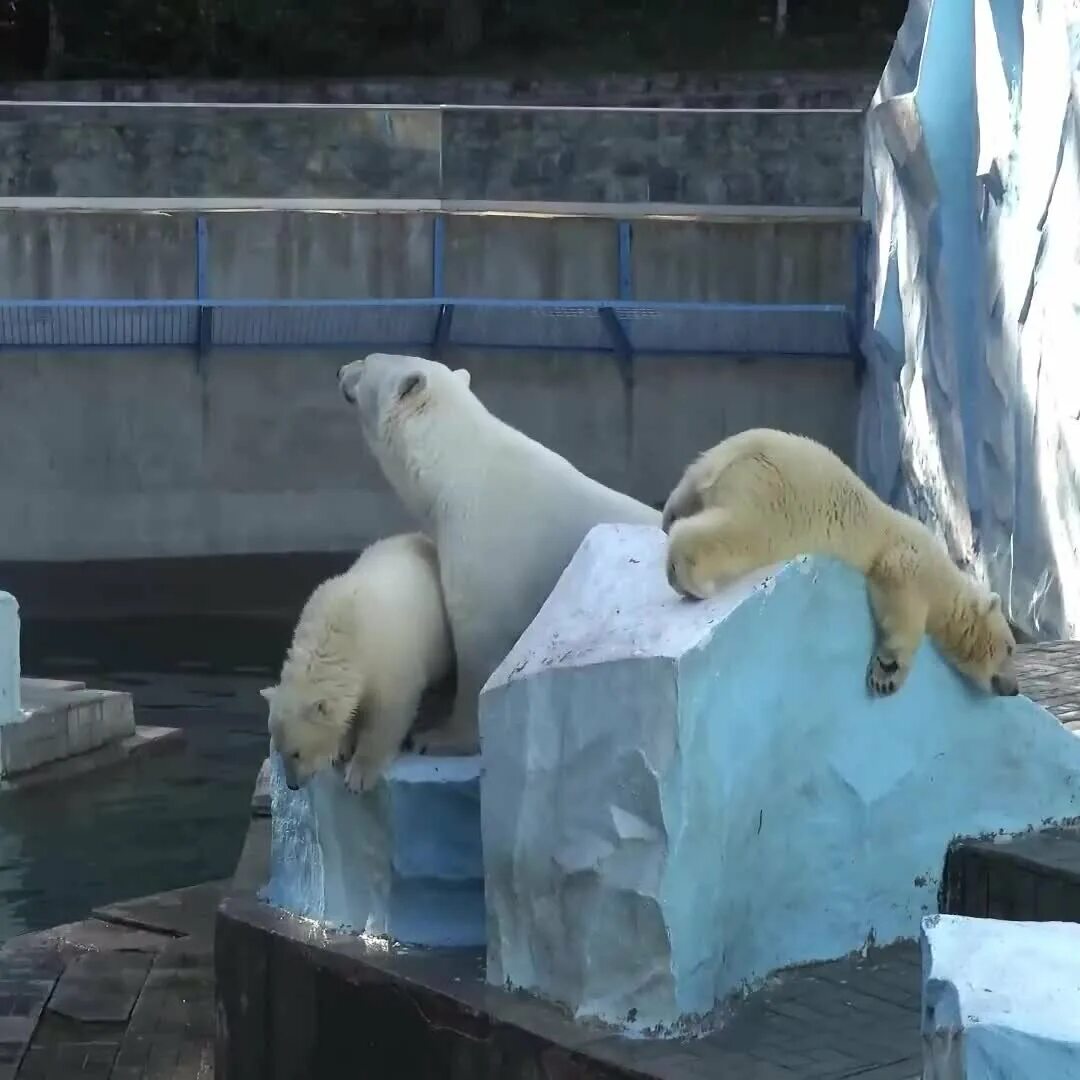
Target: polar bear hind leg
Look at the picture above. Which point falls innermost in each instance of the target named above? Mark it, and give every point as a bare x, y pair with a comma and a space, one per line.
708, 550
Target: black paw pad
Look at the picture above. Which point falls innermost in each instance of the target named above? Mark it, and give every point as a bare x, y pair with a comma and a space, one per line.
888, 667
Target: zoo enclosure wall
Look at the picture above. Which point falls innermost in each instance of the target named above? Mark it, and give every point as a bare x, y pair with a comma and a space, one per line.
167, 380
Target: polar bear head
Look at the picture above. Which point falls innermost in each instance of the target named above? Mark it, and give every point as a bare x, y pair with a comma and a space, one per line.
303, 731
413, 412
314, 706
981, 643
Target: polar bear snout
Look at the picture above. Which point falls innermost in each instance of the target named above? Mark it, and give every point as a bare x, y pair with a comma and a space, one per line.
1005, 685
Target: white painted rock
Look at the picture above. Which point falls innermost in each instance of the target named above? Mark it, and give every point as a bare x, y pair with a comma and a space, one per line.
402, 861
1000, 999
9, 659
681, 798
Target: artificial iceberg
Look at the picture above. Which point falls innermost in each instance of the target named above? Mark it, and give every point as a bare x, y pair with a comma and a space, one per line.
970, 412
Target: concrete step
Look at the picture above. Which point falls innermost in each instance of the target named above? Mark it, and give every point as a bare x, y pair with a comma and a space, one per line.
62, 723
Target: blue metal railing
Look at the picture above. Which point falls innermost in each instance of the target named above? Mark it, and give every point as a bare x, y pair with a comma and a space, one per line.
623, 326
421, 322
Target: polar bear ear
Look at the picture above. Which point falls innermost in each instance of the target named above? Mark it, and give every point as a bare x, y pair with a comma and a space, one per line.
463, 375
411, 384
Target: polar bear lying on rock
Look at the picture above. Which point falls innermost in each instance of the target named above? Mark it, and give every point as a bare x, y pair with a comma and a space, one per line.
764, 496
507, 514
368, 644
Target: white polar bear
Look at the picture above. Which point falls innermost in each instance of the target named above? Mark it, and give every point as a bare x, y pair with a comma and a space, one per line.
764, 496
507, 514
367, 645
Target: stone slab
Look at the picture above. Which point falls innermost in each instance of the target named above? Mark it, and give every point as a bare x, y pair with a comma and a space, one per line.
100, 987
714, 782
179, 912
253, 867
30, 687
260, 797
145, 741
1000, 999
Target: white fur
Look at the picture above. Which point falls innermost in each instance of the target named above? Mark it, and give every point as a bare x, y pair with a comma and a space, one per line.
764, 496
367, 645
507, 513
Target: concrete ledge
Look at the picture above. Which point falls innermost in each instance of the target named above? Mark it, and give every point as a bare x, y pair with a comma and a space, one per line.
59, 724
142, 743
631, 211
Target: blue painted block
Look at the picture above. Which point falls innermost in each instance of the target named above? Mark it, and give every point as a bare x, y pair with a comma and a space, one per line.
680, 799
1000, 999
402, 861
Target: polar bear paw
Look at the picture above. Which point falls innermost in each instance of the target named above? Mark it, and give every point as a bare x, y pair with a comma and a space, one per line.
361, 776
885, 675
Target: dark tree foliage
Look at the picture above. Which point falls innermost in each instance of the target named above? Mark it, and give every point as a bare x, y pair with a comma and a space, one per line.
356, 38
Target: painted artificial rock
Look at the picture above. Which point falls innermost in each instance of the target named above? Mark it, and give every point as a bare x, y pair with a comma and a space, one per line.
10, 704
401, 861
1000, 999
681, 798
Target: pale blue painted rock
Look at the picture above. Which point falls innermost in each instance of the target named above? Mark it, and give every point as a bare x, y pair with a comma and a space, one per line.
402, 861
1000, 999
9, 659
681, 798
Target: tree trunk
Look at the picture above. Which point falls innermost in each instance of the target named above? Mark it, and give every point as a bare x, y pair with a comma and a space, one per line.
54, 46
780, 22
464, 26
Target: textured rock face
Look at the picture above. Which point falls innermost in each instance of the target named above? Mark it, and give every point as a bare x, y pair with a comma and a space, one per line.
972, 187
402, 861
1000, 999
680, 799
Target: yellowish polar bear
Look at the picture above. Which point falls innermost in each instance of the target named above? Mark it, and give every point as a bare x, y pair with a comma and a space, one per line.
764, 496
367, 645
506, 512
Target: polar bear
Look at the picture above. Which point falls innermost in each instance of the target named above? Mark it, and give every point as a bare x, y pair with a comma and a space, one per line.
507, 514
367, 645
764, 496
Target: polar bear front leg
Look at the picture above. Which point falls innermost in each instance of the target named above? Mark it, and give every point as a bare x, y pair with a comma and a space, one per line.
705, 552
900, 614
380, 731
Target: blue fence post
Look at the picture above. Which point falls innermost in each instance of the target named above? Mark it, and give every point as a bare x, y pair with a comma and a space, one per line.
438, 238
624, 352
204, 312
445, 317
626, 269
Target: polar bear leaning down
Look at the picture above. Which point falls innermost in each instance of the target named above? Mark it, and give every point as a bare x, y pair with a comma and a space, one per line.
507, 513
368, 644
765, 496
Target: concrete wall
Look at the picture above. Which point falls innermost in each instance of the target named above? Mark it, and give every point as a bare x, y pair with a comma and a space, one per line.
151, 453
732, 157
